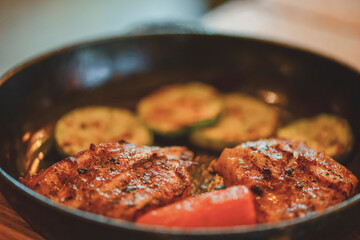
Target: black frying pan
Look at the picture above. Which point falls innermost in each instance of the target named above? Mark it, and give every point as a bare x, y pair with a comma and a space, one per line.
119, 71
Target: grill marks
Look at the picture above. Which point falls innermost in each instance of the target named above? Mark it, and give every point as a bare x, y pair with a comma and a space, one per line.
124, 181
121, 180
288, 179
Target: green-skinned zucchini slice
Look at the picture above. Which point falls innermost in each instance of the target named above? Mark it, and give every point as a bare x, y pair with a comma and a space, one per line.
324, 132
77, 129
245, 118
174, 110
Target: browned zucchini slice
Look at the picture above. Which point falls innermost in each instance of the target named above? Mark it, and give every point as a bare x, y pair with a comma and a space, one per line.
324, 132
77, 129
245, 118
175, 109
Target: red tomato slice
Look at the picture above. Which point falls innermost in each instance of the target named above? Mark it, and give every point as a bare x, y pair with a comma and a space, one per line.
229, 207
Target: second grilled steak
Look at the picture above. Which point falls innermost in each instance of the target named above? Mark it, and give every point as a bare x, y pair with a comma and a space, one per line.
118, 180
288, 178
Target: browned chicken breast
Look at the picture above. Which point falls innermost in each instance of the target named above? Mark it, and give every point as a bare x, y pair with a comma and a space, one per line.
118, 180
288, 178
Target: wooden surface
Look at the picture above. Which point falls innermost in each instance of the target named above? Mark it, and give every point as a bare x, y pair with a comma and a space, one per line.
12, 226
331, 27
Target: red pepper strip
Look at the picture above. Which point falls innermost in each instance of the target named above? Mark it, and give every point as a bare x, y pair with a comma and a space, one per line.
229, 207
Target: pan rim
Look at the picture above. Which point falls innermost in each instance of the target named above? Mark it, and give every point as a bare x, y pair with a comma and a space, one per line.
117, 223
38, 58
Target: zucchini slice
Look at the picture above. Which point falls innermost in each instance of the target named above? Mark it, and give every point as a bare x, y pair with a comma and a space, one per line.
77, 129
324, 132
245, 118
173, 110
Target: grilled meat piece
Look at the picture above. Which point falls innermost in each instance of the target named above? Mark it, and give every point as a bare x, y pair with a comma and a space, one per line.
288, 178
118, 180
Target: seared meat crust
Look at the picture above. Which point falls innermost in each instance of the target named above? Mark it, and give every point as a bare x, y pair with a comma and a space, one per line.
118, 180
288, 178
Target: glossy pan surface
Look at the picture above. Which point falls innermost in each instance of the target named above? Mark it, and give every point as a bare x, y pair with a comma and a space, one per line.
120, 71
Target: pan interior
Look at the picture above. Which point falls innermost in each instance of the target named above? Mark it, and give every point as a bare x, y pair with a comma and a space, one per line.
118, 72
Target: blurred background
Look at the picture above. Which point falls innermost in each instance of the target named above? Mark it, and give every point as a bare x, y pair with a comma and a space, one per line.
29, 28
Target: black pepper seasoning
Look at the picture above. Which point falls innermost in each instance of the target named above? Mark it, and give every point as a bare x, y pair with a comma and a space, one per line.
92, 147
257, 190
289, 171
82, 170
267, 170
